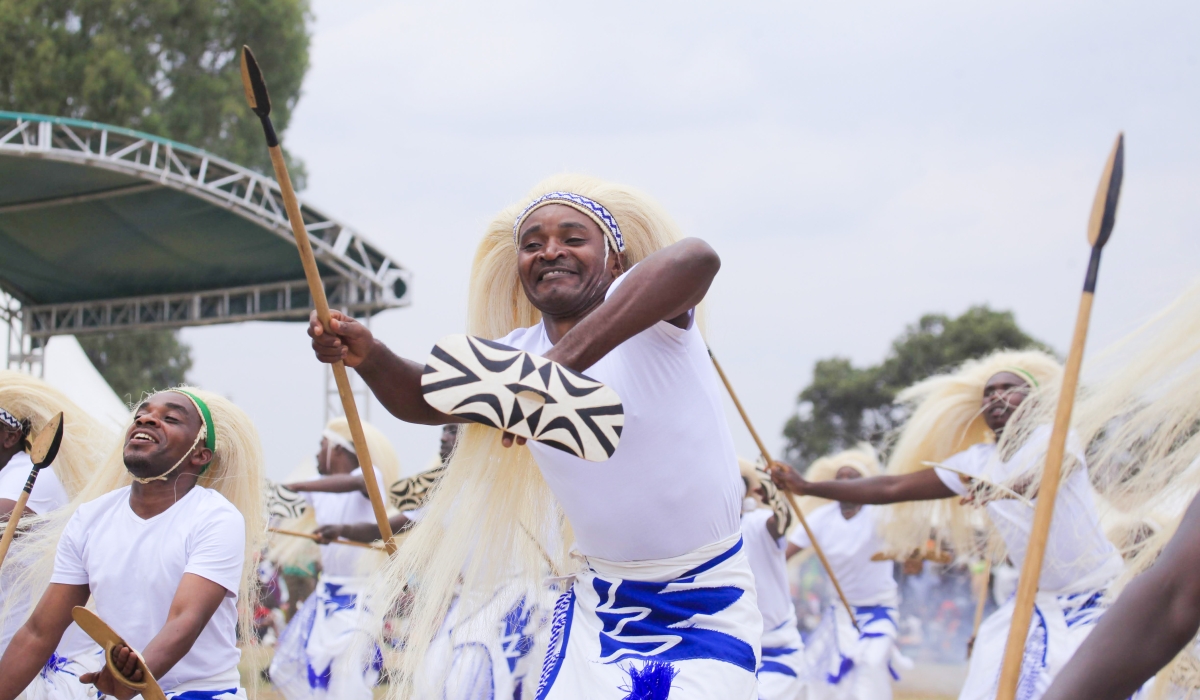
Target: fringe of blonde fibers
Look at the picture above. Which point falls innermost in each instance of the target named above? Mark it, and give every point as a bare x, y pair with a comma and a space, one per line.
492, 520
86, 442
947, 418
862, 457
235, 472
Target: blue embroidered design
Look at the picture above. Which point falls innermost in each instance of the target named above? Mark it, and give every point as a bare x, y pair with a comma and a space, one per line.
596, 208
513, 640
335, 600
768, 666
560, 634
55, 664
650, 682
641, 618
230, 694
1088, 612
845, 667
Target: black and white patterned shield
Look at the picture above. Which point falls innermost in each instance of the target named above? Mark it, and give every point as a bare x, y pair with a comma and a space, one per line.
524, 394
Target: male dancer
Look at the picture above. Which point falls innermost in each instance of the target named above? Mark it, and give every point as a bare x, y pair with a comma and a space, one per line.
1080, 562
316, 656
849, 663
164, 558
765, 520
657, 523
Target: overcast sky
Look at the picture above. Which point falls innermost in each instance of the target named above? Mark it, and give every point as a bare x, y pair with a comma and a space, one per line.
855, 165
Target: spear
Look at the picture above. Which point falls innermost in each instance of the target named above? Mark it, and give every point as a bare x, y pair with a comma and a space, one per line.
314, 538
42, 452
1100, 225
788, 494
260, 104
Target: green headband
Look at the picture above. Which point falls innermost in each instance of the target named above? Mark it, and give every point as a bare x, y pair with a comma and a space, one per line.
1017, 370
210, 431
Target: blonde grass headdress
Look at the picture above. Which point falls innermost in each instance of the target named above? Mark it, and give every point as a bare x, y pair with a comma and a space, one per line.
946, 418
493, 521
86, 441
383, 455
235, 472
862, 459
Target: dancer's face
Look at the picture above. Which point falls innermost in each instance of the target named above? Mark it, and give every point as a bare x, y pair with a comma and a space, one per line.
335, 459
1002, 394
561, 261
449, 435
164, 428
849, 510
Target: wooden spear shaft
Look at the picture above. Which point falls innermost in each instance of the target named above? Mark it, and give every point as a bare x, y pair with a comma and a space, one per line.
790, 499
1104, 211
260, 103
314, 538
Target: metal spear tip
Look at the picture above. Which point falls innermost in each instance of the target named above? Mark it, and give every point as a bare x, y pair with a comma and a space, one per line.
1104, 208
45, 445
254, 85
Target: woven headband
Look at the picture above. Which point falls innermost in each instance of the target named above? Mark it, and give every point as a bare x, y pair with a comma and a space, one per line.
590, 207
9, 419
1022, 373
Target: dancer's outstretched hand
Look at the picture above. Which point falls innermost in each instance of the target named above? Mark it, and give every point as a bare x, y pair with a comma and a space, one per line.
125, 659
349, 341
787, 479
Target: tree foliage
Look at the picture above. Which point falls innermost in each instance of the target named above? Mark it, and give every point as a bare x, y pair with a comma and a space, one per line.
140, 362
845, 404
167, 67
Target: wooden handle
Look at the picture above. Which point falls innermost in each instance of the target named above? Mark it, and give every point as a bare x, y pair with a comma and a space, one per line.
316, 289
980, 604
787, 494
1043, 513
10, 530
314, 538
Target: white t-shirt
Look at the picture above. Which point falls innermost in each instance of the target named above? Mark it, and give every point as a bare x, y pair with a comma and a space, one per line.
768, 561
1078, 556
342, 509
48, 493
849, 546
134, 566
673, 485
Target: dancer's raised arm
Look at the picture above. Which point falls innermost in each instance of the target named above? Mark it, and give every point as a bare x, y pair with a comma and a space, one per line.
924, 485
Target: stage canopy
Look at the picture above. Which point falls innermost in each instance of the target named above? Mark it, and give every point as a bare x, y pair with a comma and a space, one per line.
103, 228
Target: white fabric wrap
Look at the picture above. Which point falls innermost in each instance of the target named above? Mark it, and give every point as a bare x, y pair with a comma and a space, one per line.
844, 663
781, 670
693, 618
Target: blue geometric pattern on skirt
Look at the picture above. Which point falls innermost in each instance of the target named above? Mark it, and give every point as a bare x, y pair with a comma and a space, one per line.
515, 642
230, 694
768, 666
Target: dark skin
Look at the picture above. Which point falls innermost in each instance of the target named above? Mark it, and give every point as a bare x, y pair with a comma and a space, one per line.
369, 532
11, 442
1002, 394
849, 510
1152, 621
561, 264
163, 431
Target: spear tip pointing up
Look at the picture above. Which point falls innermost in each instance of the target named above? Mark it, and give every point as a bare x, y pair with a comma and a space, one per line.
1104, 208
254, 85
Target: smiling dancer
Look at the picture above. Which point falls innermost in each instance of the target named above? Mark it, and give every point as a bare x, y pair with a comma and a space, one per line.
956, 421
316, 656
596, 277
166, 558
848, 663
765, 519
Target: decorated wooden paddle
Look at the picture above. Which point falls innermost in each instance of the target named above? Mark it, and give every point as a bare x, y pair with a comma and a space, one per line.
1104, 212
260, 103
42, 453
104, 635
790, 498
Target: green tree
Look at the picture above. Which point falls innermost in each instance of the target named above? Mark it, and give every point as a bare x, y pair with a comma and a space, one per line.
139, 362
845, 404
167, 67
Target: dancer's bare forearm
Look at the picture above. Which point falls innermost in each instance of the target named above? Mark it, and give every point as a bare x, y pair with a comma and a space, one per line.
1156, 617
33, 644
664, 287
335, 483
878, 490
396, 383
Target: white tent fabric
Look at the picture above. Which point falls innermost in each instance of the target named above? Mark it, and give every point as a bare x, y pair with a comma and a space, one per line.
68, 369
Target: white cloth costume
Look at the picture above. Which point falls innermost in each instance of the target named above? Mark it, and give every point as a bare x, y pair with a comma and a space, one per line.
781, 669
845, 663
134, 566
324, 652
667, 592
1079, 565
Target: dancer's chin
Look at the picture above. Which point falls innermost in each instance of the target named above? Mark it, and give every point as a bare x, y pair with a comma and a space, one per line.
142, 466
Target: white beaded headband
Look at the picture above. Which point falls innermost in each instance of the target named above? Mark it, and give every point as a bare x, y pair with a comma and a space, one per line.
593, 209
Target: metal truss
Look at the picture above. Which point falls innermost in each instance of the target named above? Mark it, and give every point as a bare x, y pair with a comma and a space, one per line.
371, 281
